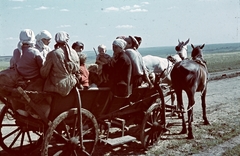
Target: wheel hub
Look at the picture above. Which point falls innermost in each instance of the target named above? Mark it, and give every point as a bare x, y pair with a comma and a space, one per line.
74, 142
156, 124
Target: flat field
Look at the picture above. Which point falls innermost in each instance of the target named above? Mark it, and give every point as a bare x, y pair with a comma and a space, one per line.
216, 62
223, 61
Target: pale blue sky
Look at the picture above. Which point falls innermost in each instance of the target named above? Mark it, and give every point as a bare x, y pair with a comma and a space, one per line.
94, 22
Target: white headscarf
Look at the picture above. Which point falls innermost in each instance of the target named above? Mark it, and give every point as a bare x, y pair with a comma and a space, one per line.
26, 36
43, 34
62, 37
120, 42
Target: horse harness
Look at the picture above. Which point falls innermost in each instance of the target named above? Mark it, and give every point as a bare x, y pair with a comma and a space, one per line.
168, 70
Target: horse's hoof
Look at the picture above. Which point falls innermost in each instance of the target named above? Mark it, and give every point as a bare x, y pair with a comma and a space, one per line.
206, 123
183, 132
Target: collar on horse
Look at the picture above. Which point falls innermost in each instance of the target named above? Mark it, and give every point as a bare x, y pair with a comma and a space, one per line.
171, 59
200, 61
168, 70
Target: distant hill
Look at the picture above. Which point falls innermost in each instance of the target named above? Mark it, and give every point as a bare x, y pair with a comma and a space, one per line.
5, 58
4, 62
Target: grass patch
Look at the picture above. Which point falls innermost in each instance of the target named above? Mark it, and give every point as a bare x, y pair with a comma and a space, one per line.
4, 65
222, 61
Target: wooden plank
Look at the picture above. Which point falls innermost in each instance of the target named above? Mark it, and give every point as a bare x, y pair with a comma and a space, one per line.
119, 140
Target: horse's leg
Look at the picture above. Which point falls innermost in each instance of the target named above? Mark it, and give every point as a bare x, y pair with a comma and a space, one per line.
190, 116
203, 98
181, 108
191, 102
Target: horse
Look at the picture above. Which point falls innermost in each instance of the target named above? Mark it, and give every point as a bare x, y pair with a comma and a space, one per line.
190, 76
158, 65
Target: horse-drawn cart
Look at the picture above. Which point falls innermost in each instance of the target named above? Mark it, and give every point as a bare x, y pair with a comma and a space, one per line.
99, 116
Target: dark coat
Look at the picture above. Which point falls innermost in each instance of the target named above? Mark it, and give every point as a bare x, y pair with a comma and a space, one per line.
120, 71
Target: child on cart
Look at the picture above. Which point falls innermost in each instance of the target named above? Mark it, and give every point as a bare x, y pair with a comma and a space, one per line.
102, 58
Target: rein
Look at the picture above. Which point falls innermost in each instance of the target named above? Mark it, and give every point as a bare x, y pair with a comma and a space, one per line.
189, 108
166, 70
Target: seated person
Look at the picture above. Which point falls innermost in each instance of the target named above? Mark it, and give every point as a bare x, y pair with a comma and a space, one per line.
96, 80
60, 69
42, 41
119, 70
102, 58
83, 73
139, 70
28, 61
78, 47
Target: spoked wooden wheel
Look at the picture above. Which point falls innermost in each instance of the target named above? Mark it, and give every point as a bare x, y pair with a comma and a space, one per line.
17, 138
152, 126
63, 136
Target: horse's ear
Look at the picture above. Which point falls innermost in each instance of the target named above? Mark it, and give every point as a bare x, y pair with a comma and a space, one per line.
192, 46
202, 46
186, 42
178, 41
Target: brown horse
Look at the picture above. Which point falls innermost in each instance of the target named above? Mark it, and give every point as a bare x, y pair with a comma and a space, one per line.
191, 76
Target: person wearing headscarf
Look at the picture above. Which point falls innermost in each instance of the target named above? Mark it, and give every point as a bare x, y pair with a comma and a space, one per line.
139, 70
120, 70
26, 59
42, 41
60, 67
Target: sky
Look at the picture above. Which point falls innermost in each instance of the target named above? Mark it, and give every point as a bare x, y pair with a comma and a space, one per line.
94, 22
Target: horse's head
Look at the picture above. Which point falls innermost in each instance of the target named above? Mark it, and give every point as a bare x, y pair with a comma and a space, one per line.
197, 52
181, 49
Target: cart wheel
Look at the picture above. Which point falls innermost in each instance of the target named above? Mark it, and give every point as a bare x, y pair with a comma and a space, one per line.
16, 139
62, 137
152, 127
